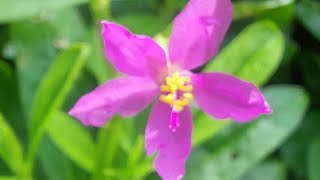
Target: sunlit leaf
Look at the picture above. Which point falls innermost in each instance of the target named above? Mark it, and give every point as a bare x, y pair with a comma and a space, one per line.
8, 178
253, 55
254, 8
10, 149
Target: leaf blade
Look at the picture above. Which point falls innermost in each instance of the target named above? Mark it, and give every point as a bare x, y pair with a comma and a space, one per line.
53, 90
31, 7
10, 148
72, 139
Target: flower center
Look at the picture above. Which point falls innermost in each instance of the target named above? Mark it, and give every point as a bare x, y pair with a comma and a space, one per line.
176, 92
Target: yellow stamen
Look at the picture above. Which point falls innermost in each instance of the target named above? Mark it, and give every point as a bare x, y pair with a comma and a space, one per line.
187, 88
188, 95
165, 88
176, 85
167, 99
182, 102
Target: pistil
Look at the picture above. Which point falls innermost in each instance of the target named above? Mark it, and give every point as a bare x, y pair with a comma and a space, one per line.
176, 92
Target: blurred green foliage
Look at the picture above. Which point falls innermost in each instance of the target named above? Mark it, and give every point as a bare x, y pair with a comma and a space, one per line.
51, 54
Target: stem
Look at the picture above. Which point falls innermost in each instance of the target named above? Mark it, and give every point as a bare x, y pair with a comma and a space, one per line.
100, 9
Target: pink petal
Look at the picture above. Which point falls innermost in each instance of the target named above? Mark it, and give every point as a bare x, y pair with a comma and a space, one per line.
174, 146
198, 31
132, 54
125, 96
224, 96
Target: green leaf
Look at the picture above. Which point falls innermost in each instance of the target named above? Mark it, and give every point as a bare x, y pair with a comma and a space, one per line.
32, 60
314, 160
269, 170
98, 65
73, 140
308, 13
310, 71
9, 100
205, 127
26, 8
253, 55
8, 178
53, 89
245, 9
294, 151
37, 42
10, 149
136, 23
251, 143
107, 147
53, 161
136, 152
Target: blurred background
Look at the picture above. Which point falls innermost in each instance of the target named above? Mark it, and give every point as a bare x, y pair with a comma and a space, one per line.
51, 54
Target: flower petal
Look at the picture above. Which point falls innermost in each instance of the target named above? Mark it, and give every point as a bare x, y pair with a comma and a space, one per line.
198, 31
132, 54
125, 96
224, 96
174, 146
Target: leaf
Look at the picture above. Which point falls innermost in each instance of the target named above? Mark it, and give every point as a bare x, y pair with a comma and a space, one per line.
36, 42
314, 160
53, 161
279, 11
9, 99
8, 178
35, 52
251, 143
10, 149
275, 171
136, 23
308, 12
107, 147
294, 152
253, 55
72, 139
98, 65
53, 90
136, 152
253, 8
310, 71
28, 8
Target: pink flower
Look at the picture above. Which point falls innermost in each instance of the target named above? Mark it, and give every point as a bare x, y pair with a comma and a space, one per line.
149, 74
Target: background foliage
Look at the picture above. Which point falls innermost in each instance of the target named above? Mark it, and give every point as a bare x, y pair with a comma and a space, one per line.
51, 54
